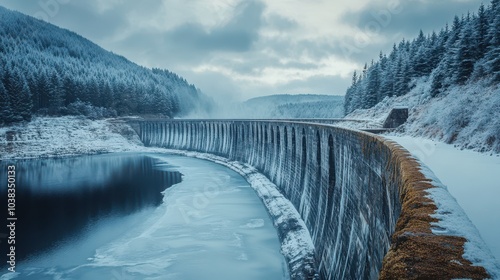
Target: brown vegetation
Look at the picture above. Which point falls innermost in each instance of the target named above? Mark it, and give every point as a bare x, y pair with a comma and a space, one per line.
417, 253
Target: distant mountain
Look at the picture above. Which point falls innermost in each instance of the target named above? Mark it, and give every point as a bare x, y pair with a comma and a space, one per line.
48, 70
286, 106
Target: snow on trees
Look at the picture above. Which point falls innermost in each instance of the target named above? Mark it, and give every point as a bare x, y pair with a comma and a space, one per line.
470, 49
48, 70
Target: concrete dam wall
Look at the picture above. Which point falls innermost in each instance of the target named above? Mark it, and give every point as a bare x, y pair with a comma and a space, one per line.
364, 199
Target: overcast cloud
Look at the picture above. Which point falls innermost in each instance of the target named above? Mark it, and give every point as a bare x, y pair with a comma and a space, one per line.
233, 49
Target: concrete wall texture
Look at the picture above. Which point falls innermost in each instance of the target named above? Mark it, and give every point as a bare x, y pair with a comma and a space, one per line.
362, 198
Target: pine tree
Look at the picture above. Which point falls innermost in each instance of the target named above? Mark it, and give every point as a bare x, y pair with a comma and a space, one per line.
349, 94
419, 57
465, 56
6, 115
358, 95
373, 87
402, 78
437, 82
108, 98
70, 90
19, 97
385, 79
434, 53
481, 34
43, 91
25, 111
493, 54
31, 81
356, 92
56, 95
452, 47
387, 83
7, 80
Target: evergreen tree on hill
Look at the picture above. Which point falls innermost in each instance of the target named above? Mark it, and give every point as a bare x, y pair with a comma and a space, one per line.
6, 115
465, 56
469, 50
493, 54
54, 68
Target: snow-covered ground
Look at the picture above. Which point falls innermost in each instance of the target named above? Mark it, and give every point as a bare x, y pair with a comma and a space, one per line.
472, 178
66, 136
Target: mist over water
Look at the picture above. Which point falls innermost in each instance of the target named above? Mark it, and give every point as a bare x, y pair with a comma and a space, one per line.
120, 216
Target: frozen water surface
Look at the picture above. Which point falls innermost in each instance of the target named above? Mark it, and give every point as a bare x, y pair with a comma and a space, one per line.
212, 225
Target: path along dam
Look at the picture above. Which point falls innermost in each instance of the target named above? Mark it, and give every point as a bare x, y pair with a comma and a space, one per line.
370, 208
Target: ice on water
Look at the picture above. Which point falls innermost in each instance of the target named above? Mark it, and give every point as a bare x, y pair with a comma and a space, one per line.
212, 225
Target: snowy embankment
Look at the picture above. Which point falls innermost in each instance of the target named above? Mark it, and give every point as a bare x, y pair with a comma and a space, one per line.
66, 136
466, 116
474, 181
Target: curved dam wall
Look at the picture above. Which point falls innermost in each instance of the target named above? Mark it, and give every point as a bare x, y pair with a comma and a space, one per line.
364, 200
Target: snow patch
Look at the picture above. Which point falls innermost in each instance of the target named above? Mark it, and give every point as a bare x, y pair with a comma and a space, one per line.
255, 223
66, 136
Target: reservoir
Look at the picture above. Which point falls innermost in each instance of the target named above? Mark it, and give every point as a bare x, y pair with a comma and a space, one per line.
138, 216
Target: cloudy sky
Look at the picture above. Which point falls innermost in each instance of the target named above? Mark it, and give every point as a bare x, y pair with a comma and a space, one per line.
234, 49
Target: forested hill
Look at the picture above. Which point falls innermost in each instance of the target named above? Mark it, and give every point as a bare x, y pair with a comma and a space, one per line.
286, 106
466, 52
51, 71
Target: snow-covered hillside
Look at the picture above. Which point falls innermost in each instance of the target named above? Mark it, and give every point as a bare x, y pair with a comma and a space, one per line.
449, 80
467, 52
48, 70
466, 116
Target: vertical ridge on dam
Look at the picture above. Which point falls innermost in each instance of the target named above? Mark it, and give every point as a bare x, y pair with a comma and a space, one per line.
364, 200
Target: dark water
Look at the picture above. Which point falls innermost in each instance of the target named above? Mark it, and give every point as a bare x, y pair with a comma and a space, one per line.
58, 199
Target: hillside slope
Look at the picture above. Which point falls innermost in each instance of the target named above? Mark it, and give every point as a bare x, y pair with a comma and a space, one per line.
467, 52
48, 70
449, 80
467, 116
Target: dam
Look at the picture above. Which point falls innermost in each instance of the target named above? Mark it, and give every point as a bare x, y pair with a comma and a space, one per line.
368, 206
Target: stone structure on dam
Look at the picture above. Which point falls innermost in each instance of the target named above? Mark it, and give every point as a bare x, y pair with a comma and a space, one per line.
363, 199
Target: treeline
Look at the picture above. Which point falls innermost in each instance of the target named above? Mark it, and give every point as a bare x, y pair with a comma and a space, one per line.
50, 71
469, 50
327, 109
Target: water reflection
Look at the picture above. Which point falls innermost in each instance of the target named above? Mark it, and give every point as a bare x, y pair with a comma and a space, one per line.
57, 199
